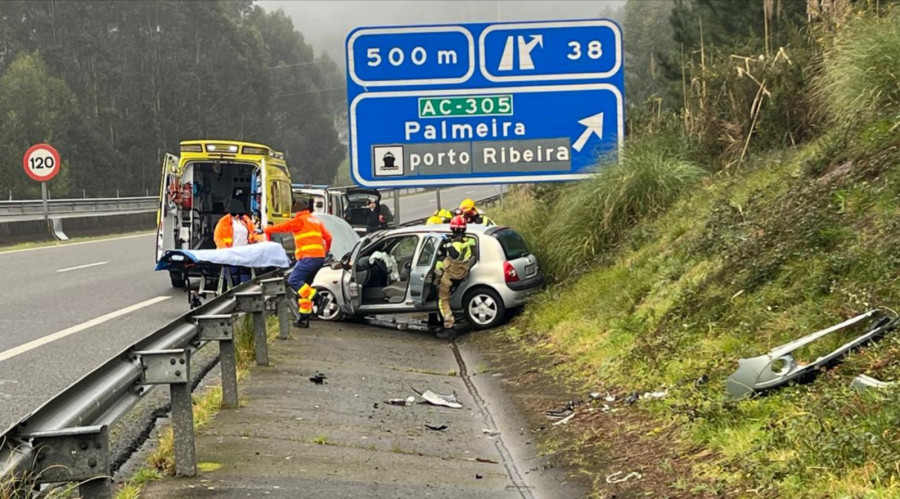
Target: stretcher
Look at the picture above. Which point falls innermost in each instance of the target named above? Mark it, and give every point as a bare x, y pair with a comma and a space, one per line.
217, 263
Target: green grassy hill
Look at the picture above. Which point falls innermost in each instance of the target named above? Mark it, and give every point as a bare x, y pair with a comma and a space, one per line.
665, 275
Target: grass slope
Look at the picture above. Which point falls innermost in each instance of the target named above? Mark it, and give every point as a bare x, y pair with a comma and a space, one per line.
793, 243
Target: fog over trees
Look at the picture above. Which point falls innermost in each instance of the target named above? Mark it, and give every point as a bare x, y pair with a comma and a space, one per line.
115, 85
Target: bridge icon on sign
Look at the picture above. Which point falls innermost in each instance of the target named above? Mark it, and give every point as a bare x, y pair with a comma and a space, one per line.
525, 48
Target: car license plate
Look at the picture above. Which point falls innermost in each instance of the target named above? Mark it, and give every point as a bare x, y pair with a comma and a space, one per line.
530, 269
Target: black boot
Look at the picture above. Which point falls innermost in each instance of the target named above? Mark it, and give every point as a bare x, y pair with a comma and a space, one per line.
302, 322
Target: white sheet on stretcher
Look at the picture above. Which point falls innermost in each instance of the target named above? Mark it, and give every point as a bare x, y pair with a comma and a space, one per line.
264, 254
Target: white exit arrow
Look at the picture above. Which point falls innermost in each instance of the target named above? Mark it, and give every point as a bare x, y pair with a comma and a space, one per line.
594, 125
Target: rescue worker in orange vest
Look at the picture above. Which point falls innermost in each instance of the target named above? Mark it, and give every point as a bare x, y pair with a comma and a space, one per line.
312, 241
233, 230
459, 251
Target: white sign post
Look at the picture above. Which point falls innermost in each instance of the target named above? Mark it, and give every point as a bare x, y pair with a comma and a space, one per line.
41, 162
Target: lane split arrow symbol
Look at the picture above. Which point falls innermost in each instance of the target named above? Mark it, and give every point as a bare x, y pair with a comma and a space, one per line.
594, 125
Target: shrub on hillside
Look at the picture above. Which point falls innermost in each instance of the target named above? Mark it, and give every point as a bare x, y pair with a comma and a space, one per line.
860, 77
587, 217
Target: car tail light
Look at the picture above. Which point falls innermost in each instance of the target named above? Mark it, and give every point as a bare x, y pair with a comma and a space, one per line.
509, 272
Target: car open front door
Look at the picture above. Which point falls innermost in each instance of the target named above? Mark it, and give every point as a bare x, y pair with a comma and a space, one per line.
350, 282
167, 216
421, 274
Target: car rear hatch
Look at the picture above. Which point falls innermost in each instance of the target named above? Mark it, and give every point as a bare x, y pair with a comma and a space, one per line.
521, 268
357, 200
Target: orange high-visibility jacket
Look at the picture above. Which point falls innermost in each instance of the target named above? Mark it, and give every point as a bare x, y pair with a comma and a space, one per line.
224, 234
311, 238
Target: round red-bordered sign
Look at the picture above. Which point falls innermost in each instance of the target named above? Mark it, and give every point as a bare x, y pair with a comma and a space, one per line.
41, 162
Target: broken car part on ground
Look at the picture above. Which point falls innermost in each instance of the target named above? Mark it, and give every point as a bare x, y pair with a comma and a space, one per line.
761, 373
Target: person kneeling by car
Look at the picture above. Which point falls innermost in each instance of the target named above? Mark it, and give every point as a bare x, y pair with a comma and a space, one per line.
453, 269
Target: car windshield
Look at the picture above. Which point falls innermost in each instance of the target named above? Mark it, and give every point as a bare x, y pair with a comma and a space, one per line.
343, 237
513, 244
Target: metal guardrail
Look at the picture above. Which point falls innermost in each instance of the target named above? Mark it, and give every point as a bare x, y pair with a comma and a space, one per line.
60, 206
488, 201
389, 193
67, 438
88, 205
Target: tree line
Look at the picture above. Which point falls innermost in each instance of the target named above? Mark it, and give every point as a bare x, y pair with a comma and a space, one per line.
115, 85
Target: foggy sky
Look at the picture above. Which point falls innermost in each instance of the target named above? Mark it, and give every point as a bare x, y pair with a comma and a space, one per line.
325, 24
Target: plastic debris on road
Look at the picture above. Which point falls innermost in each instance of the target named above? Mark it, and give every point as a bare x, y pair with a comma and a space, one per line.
490, 433
318, 379
407, 401
436, 428
438, 399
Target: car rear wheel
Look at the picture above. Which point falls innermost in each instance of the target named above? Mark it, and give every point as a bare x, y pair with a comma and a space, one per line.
483, 308
327, 307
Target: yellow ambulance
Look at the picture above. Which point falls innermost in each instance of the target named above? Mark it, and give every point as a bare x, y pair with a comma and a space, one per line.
198, 185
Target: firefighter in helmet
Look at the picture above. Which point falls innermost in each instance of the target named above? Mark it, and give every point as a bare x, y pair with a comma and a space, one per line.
459, 250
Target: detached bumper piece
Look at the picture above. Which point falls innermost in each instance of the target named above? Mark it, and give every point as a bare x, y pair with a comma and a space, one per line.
778, 366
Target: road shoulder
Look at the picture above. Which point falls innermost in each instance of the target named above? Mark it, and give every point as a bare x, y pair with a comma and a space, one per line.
296, 438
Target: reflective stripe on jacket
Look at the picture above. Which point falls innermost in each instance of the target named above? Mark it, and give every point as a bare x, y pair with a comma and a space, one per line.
461, 250
311, 238
224, 233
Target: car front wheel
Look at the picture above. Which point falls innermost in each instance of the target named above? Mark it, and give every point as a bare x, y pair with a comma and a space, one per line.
327, 307
483, 308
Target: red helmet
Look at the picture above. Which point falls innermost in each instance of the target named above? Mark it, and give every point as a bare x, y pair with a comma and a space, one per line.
458, 223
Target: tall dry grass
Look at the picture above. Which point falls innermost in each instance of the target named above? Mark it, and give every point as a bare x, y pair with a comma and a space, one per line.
860, 75
583, 219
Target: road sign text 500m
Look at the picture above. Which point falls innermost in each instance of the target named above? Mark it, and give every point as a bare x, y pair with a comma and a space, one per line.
418, 56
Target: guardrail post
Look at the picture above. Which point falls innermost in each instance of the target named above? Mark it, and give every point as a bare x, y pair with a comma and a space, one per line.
253, 302
274, 288
173, 368
78, 454
220, 328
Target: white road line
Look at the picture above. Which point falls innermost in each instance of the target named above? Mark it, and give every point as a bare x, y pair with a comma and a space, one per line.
82, 266
31, 345
65, 245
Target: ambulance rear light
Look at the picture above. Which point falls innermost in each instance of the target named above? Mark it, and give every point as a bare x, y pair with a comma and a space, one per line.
261, 151
191, 148
276, 155
223, 148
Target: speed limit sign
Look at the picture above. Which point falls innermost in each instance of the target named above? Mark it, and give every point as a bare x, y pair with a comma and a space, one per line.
41, 162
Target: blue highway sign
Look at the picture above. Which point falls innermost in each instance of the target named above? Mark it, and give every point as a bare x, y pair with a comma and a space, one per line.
484, 103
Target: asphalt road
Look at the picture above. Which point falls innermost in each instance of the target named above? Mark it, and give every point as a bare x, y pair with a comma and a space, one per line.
67, 309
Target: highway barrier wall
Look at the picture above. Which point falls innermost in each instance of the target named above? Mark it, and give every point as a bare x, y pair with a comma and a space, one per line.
23, 231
